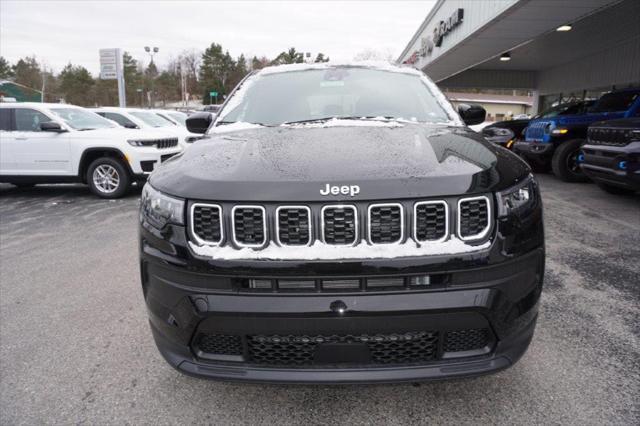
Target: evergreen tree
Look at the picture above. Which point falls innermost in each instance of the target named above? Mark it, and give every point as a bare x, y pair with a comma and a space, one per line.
5, 69
76, 85
27, 72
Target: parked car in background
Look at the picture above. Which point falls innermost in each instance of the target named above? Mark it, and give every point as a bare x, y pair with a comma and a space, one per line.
176, 117
134, 118
56, 143
500, 136
556, 141
611, 156
212, 108
521, 121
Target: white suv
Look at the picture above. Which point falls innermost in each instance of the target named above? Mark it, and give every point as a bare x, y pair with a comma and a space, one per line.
55, 143
135, 118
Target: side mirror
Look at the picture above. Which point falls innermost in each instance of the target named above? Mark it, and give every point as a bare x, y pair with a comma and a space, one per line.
51, 126
199, 122
130, 126
472, 114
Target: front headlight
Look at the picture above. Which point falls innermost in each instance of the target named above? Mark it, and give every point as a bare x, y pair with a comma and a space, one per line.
140, 142
559, 131
160, 209
518, 197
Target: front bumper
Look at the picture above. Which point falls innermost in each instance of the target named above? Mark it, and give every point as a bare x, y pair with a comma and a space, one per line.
602, 163
493, 292
145, 160
537, 151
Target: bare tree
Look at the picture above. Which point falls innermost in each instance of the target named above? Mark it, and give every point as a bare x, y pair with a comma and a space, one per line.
375, 55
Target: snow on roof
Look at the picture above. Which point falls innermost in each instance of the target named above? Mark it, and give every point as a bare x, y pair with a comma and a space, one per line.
378, 65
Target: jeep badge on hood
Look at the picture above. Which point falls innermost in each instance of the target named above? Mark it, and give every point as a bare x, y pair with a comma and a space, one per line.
350, 190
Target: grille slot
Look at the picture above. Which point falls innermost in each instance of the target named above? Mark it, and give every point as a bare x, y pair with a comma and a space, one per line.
385, 282
249, 226
430, 221
299, 350
166, 143
293, 285
293, 225
219, 344
346, 284
466, 340
339, 224
386, 223
206, 223
474, 218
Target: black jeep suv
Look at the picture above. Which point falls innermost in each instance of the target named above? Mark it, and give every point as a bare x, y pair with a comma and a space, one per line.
611, 156
341, 224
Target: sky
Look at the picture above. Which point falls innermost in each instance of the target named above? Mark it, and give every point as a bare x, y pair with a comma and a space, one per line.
59, 32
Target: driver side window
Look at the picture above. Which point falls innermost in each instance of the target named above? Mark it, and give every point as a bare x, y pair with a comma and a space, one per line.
28, 120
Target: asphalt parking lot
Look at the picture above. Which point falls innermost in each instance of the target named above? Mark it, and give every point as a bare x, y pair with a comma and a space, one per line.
75, 346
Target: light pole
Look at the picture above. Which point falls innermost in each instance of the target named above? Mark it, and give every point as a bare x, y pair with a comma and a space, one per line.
151, 51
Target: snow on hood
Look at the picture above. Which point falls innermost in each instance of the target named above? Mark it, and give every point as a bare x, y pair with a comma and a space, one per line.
322, 251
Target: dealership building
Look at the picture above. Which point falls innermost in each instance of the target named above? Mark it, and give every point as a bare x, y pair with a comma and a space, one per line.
559, 50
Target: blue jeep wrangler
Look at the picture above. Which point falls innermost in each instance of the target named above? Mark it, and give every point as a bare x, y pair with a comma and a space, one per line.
557, 140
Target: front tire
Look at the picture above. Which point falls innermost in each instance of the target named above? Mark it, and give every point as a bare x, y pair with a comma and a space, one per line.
108, 178
565, 163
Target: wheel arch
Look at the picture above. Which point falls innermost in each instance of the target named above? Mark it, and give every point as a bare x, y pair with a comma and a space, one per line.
91, 154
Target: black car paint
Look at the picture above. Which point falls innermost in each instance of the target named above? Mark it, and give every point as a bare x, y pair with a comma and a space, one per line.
498, 286
293, 164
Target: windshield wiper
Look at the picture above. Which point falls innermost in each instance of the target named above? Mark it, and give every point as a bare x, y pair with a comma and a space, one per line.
86, 128
231, 122
338, 117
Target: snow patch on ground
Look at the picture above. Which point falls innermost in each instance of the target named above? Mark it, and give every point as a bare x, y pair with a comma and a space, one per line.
321, 251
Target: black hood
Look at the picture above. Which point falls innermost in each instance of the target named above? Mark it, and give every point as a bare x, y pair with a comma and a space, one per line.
294, 164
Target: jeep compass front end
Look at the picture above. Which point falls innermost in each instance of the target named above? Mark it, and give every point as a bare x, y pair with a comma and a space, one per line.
341, 224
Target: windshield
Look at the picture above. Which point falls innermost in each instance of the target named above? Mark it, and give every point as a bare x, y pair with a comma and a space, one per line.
152, 119
180, 117
341, 92
612, 102
565, 109
81, 119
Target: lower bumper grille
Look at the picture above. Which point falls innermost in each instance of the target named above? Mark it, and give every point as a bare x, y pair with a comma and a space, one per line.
361, 349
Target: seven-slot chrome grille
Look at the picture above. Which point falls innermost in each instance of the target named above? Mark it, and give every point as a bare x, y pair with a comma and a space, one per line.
429, 221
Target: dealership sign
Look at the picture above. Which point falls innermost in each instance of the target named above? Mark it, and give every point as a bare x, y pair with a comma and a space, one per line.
435, 38
111, 69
